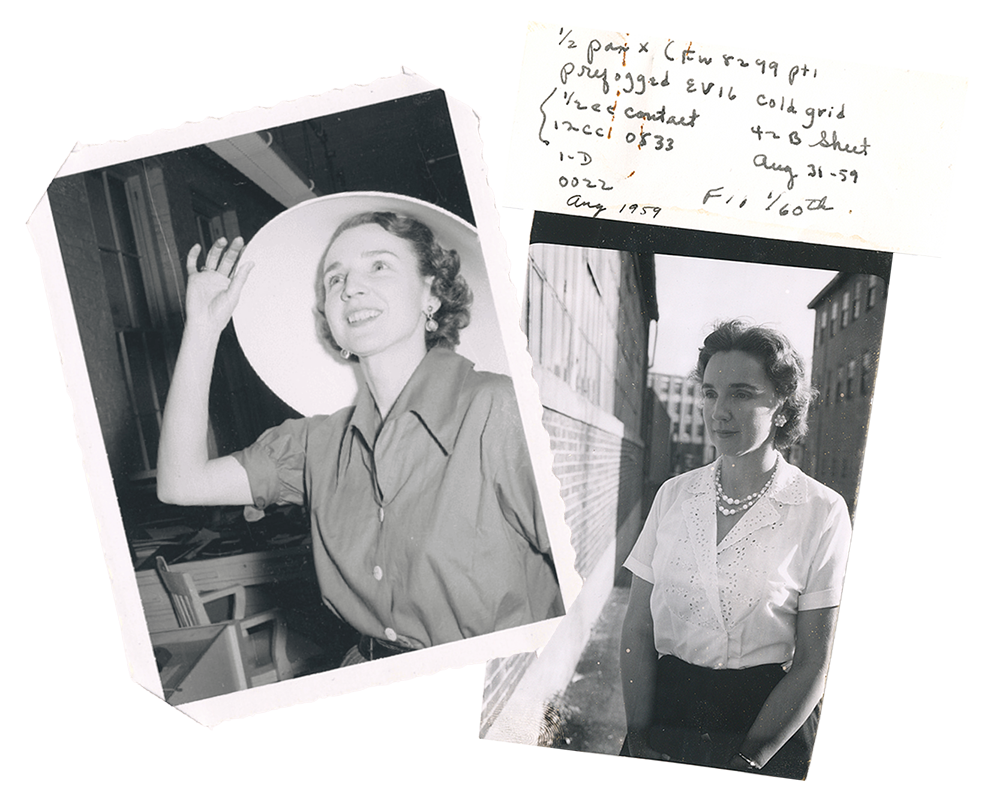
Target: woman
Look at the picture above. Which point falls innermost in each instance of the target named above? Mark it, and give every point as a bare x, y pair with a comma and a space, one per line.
737, 577
425, 519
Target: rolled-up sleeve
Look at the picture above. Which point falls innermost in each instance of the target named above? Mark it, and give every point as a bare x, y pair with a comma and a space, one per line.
826, 574
640, 561
276, 464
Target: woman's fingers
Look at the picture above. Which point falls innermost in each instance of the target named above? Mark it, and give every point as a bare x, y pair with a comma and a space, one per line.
219, 259
214, 254
238, 280
192, 260
227, 263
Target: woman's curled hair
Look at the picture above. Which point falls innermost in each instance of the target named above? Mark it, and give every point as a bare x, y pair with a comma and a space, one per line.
782, 365
442, 264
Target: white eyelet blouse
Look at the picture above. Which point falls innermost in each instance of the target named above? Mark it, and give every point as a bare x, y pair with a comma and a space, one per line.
735, 604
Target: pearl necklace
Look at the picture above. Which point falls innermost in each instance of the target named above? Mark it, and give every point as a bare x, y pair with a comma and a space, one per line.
733, 506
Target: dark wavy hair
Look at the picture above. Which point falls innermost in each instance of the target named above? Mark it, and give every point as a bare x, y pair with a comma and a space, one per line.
442, 264
782, 365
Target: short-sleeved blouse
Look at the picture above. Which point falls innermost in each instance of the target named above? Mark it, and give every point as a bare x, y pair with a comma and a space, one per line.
734, 604
426, 529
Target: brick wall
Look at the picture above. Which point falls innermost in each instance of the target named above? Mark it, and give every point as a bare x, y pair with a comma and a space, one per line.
601, 478
587, 328
587, 465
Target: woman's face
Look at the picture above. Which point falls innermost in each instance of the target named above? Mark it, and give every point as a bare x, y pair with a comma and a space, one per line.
739, 403
375, 295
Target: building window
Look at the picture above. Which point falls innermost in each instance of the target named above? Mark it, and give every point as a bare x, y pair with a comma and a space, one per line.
534, 310
823, 324
565, 315
846, 306
124, 264
871, 295
866, 386
212, 221
835, 310
840, 386
850, 380
857, 303
124, 236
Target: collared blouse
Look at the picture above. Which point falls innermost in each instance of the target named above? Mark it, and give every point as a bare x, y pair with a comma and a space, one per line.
426, 529
734, 604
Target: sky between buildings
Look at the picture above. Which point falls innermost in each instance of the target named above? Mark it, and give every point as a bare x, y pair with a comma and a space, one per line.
694, 293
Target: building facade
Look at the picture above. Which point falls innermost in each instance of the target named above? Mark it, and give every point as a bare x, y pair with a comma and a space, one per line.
588, 315
690, 447
849, 315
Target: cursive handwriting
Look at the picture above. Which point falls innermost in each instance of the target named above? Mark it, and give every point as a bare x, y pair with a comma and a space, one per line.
578, 202
760, 160
792, 207
834, 144
666, 96
661, 116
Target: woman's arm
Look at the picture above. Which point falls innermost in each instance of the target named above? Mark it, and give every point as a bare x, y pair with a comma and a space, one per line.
797, 694
638, 667
185, 474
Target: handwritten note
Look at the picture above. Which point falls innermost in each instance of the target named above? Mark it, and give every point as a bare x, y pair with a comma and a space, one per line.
651, 129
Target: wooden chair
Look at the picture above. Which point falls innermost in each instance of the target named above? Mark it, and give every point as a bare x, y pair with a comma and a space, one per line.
189, 606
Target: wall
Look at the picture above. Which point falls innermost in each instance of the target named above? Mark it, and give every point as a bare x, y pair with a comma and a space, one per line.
86, 284
587, 326
835, 444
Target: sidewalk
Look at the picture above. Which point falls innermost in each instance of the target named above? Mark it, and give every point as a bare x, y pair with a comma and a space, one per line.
588, 714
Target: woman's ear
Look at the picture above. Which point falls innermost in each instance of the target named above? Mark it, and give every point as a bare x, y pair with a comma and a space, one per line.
433, 303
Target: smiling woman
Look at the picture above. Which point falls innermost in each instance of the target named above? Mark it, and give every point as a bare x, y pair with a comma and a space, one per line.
737, 577
380, 270
426, 521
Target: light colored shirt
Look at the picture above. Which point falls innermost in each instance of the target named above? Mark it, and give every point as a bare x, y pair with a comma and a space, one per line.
734, 604
426, 529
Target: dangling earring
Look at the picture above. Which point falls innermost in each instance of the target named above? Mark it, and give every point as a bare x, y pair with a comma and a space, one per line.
431, 324
345, 354
780, 420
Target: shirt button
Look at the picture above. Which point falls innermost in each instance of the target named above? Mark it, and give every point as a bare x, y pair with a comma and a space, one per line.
377, 573
391, 634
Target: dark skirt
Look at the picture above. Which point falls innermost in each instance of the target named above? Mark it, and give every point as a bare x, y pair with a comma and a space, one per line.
702, 715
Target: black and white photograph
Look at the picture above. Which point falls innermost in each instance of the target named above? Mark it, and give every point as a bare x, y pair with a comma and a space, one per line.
305, 398
709, 396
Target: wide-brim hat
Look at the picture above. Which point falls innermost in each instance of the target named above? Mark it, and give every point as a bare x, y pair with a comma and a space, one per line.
275, 321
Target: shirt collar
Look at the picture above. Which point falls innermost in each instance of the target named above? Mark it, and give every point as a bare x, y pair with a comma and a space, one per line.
432, 394
788, 485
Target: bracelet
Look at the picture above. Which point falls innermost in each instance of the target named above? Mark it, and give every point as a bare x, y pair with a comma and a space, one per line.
749, 761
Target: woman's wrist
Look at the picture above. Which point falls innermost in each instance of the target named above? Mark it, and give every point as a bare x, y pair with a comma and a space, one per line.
201, 337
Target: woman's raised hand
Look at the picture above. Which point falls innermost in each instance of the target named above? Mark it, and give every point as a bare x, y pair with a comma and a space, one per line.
214, 290
186, 473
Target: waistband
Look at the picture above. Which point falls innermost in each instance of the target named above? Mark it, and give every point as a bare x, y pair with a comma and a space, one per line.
374, 649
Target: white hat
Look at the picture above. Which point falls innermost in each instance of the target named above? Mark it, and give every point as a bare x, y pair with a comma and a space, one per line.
275, 322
